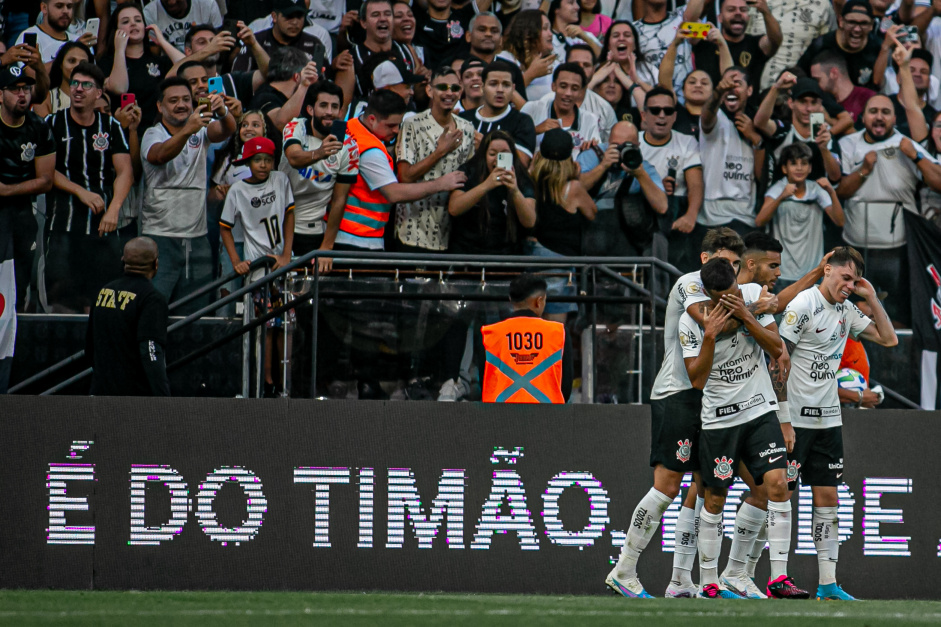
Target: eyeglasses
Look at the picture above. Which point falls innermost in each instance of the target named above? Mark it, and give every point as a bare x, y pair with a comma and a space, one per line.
448, 87
855, 24
86, 85
662, 110
16, 89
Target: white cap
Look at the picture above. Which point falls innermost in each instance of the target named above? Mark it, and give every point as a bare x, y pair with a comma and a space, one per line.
389, 73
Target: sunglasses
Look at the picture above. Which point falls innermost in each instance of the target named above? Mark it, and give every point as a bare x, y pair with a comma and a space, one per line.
86, 85
662, 110
448, 87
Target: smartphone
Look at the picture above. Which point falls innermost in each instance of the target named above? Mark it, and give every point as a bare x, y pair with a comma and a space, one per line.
30, 39
203, 102
505, 160
127, 99
338, 129
215, 86
698, 30
907, 34
91, 27
816, 121
231, 26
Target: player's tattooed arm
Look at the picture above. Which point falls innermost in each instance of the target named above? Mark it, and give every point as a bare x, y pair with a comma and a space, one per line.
779, 369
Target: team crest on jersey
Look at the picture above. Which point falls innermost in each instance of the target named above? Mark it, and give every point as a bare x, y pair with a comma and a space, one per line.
864, 75
29, 151
153, 69
455, 30
100, 142
672, 162
890, 152
793, 469
936, 301
790, 318
333, 161
684, 452
193, 141
723, 469
688, 340
805, 16
693, 288
744, 59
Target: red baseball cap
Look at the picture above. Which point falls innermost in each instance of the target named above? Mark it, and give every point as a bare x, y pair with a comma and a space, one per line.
255, 146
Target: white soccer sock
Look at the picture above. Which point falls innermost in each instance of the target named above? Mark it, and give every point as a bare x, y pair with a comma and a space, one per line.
710, 544
757, 548
827, 541
644, 524
748, 522
779, 536
684, 552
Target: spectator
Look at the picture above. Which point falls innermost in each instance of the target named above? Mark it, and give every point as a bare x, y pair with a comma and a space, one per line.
392, 75
727, 143
248, 10
403, 33
658, 31
919, 64
441, 27
376, 19
930, 199
587, 99
558, 109
432, 144
52, 32
311, 27
795, 206
130, 65
328, 14
206, 45
175, 183
174, 17
800, 23
290, 74
750, 52
93, 177
496, 113
592, 20
615, 87
881, 169
127, 329
677, 161
622, 46
563, 209
27, 150
852, 42
69, 55
528, 45
321, 168
565, 16
829, 70
472, 88
622, 193
287, 31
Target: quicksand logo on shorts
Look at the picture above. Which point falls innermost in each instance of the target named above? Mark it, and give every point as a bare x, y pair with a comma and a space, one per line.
734, 408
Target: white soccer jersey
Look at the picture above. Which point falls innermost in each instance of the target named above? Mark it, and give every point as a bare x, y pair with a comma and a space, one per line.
585, 128
679, 154
672, 377
313, 184
818, 331
656, 37
728, 175
260, 208
739, 388
48, 45
798, 224
174, 29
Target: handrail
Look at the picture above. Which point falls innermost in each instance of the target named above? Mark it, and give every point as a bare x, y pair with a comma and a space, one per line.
896, 396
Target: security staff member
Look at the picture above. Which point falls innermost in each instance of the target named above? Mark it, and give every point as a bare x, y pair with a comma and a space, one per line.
127, 329
526, 357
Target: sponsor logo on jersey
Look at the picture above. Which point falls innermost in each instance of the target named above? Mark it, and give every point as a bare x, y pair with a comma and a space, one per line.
737, 171
837, 466
693, 288
820, 412
100, 141
790, 318
29, 151
793, 469
684, 451
688, 339
723, 469
772, 449
734, 408
736, 370
821, 371
524, 359
264, 199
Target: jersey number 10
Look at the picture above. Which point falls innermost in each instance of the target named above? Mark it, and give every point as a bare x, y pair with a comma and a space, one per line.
273, 229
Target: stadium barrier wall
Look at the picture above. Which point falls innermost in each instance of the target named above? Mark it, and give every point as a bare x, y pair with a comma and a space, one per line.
108, 493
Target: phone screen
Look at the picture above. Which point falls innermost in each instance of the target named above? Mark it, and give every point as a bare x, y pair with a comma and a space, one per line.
816, 121
338, 129
29, 39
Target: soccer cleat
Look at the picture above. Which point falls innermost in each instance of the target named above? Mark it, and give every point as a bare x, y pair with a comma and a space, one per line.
677, 590
739, 585
833, 592
714, 591
783, 588
630, 588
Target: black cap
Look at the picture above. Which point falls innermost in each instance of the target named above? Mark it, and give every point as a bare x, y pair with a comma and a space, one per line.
857, 6
13, 74
471, 62
924, 55
288, 8
557, 145
806, 87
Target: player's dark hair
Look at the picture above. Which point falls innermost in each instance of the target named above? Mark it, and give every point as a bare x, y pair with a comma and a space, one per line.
843, 255
717, 275
173, 81
195, 28
829, 59
761, 242
496, 66
660, 90
526, 285
384, 103
583, 48
723, 238
792, 152
87, 68
574, 68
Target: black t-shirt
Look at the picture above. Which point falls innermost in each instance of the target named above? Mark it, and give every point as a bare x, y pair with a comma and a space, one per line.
128, 311
144, 77
85, 156
859, 65
746, 53
517, 125
305, 42
783, 135
363, 69
901, 118
19, 147
442, 40
686, 122
483, 229
266, 99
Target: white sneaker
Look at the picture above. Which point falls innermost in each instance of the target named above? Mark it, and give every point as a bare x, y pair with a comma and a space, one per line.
739, 585
754, 592
677, 590
453, 390
630, 588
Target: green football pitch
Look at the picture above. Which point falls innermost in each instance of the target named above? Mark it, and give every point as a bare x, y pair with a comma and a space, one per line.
138, 609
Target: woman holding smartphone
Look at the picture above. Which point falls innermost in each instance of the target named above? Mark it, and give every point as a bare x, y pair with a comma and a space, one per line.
528, 44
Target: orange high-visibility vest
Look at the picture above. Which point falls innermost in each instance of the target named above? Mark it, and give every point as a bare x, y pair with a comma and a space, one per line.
367, 211
524, 361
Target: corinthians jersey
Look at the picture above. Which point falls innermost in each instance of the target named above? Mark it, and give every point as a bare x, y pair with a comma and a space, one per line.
672, 377
739, 388
818, 331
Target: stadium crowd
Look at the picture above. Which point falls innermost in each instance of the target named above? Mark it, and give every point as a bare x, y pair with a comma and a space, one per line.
227, 130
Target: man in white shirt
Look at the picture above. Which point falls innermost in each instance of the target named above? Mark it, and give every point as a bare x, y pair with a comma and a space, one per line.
881, 171
590, 101
174, 17
559, 109
175, 182
657, 29
52, 32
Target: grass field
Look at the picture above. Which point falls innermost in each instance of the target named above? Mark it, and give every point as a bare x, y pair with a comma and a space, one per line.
139, 609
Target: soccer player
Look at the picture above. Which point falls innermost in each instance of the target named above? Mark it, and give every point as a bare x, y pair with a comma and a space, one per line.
739, 423
675, 427
815, 327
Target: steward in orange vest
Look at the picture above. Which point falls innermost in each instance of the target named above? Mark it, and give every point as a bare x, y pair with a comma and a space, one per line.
525, 356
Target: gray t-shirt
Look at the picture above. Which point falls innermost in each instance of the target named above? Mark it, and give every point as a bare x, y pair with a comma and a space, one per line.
798, 224
175, 192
